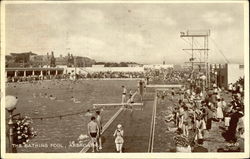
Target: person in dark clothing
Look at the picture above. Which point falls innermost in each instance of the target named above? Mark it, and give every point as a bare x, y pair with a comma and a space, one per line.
229, 135
209, 115
199, 147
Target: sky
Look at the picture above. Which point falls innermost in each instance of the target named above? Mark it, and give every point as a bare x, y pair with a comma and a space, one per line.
143, 33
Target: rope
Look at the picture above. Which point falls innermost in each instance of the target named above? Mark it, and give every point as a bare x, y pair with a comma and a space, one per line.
57, 116
69, 114
63, 115
217, 47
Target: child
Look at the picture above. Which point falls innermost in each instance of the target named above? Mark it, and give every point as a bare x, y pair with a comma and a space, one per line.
119, 138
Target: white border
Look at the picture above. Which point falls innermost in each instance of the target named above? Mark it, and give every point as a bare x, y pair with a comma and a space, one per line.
127, 155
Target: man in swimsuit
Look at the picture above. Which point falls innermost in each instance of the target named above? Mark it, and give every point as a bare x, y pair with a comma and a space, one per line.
124, 92
130, 101
172, 93
93, 132
141, 88
99, 123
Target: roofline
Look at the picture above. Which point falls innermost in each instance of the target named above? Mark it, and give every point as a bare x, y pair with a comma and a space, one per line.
32, 69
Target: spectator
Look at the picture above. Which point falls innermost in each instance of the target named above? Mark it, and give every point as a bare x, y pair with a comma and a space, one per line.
181, 142
200, 147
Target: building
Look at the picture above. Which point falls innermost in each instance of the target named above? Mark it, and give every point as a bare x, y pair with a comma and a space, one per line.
158, 66
40, 60
19, 59
24, 72
227, 73
134, 65
29, 59
62, 61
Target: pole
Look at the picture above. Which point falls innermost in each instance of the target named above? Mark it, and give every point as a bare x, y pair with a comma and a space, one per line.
75, 67
208, 63
192, 54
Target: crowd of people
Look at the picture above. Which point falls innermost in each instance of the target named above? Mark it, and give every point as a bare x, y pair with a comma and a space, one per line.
167, 75
93, 75
197, 111
112, 74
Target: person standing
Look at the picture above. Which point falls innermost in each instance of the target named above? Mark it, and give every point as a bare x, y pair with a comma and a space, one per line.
131, 99
209, 114
118, 134
124, 92
172, 93
99, 123
231, 132
141, 89
230, 87
93, 132
219, 111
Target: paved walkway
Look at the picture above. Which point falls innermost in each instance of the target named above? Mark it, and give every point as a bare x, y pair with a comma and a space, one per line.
136, 127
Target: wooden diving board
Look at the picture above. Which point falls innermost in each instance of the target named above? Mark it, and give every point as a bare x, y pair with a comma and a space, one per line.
108, 106
117, 104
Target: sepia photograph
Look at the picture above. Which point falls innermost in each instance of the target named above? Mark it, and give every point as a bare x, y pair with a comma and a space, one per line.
122, 78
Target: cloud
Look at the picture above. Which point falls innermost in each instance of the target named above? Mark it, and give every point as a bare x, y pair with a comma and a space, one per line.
121, 32
169, 21
217, 18
91, 16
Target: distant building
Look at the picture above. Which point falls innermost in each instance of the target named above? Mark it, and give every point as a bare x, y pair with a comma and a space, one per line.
19, 59
98, 65
159, 66
40, 60
61, 61
134, 65
29, 59
227, 73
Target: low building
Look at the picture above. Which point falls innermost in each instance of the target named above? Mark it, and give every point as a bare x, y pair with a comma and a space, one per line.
24, 72
228, 73
158, 66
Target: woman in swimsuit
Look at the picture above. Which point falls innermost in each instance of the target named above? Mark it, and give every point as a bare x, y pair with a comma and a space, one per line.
119, 138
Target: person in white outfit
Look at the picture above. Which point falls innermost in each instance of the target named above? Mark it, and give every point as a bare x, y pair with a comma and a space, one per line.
230, 87
219, 111
118, 134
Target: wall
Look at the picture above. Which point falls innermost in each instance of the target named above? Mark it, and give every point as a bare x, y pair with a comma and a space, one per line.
234, 72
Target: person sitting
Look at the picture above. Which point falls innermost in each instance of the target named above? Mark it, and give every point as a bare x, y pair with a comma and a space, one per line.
200, 147
181, 142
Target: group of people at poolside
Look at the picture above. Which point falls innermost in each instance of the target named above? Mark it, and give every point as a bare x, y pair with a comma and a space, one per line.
193, 117
196, 111
168, 75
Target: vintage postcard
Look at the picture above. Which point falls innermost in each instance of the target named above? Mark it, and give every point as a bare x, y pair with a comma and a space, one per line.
124, 79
